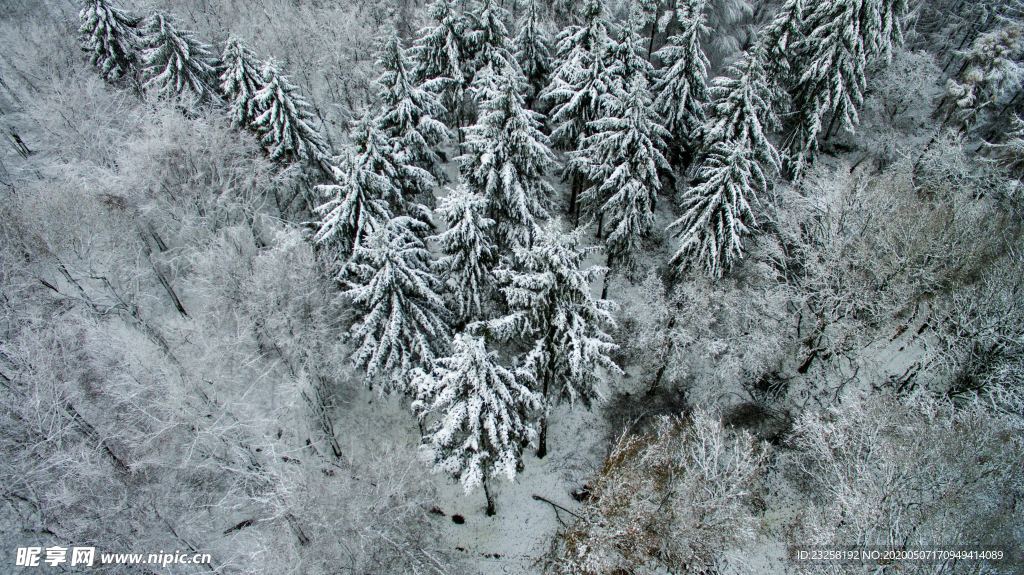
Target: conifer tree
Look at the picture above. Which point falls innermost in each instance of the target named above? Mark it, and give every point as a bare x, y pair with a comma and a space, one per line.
507, 157
441, 54
580, 82
681, 88
716, 211
777, 39
582, 75
552, 311
403, 323
627, 58
488, 37
625, 157
109, 36
742, 111
533, 51
647, 14
480, 429
469, 253
736, 159
240, 80
409, 113
991, 73
285, 122
175, 62
726, 18
356, 204
843, 38
409, 186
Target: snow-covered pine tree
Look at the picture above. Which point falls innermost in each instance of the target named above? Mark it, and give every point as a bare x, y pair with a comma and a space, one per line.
533, 51
409, 186
469, 253
553, 312
716, 211
681, 91
488, 37
742, 112
625, 158
355, 205
109, 36
441, 55
582, 78
285, 122
776, 39
507, 157
843, 38
990, 76
627, 57
404, 323
240, 80
480, 406
734, 162
409, 112
727, 19
582, 74
175, 62
646, 15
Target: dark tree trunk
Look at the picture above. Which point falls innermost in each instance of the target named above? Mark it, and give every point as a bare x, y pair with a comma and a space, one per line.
542, 438
650, 43
490, 499
607, 276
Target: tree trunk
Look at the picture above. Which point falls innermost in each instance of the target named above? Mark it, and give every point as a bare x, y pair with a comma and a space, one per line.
650, 43
607, 276
542, 437
490, 499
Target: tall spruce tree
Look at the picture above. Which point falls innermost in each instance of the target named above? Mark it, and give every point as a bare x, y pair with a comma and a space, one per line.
554, 314
582, 78
240, 81
409, 113
843, 38
175, 63
735, 162
480, 428
403, 323
507, 157
533, 51
681, 88
356, 204
742, 111
441, 54
488, 38
716, 210
410, 186
108, 34
990, 77
625, 158
469, 253
627, 58
285, 123
777, 39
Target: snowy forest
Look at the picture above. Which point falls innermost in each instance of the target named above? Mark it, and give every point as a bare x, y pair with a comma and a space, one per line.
580, 287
